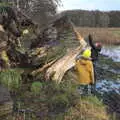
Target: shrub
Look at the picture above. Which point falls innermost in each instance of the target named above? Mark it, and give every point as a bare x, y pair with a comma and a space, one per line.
36, 88
59, 103
61, 96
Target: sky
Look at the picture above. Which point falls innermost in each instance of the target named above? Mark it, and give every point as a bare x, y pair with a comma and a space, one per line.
104, 5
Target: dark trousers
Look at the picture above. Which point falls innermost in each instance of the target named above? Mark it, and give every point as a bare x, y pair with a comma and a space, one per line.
93, 86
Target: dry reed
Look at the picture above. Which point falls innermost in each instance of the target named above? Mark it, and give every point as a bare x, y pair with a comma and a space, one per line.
108, 36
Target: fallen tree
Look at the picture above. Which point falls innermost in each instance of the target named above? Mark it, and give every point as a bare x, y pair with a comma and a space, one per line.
57, 69
57, 45
54, 54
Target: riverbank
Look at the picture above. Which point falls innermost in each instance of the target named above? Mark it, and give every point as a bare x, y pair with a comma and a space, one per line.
46, 100
108, 85
63, 102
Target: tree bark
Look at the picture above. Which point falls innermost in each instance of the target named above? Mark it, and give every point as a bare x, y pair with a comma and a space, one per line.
59, 68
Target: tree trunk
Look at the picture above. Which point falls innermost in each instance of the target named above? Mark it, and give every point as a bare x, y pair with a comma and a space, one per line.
59, 68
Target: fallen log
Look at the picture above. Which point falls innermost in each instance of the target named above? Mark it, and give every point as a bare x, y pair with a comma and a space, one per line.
56, 71
59, 68
39, 70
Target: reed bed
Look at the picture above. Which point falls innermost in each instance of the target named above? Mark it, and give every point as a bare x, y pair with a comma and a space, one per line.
108, 36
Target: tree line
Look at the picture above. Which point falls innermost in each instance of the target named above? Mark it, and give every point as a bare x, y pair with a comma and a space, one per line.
42, 11
94, 18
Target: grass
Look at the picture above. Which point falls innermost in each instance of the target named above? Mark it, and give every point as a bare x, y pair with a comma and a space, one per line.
36, 88
11, 78
63, 102
60, 102
53, 99
88, 108
108, 36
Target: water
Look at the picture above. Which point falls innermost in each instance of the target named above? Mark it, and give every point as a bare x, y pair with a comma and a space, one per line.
107, 83
107, 86
103, 86
112, 52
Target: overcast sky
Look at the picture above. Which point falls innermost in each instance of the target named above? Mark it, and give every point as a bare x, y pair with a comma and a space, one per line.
104, 5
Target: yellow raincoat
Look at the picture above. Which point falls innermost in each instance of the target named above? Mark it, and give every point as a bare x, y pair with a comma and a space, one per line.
85, 71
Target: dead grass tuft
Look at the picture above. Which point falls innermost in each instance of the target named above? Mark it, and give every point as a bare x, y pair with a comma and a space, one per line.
88, 110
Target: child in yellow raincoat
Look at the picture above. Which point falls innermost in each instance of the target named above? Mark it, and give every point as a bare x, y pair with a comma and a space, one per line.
85, 71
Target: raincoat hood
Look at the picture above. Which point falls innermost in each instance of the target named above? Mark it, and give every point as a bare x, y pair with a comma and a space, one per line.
86, 53
83, 62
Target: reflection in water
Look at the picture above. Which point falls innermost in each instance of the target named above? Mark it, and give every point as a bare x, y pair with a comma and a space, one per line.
107, 86
110, 85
